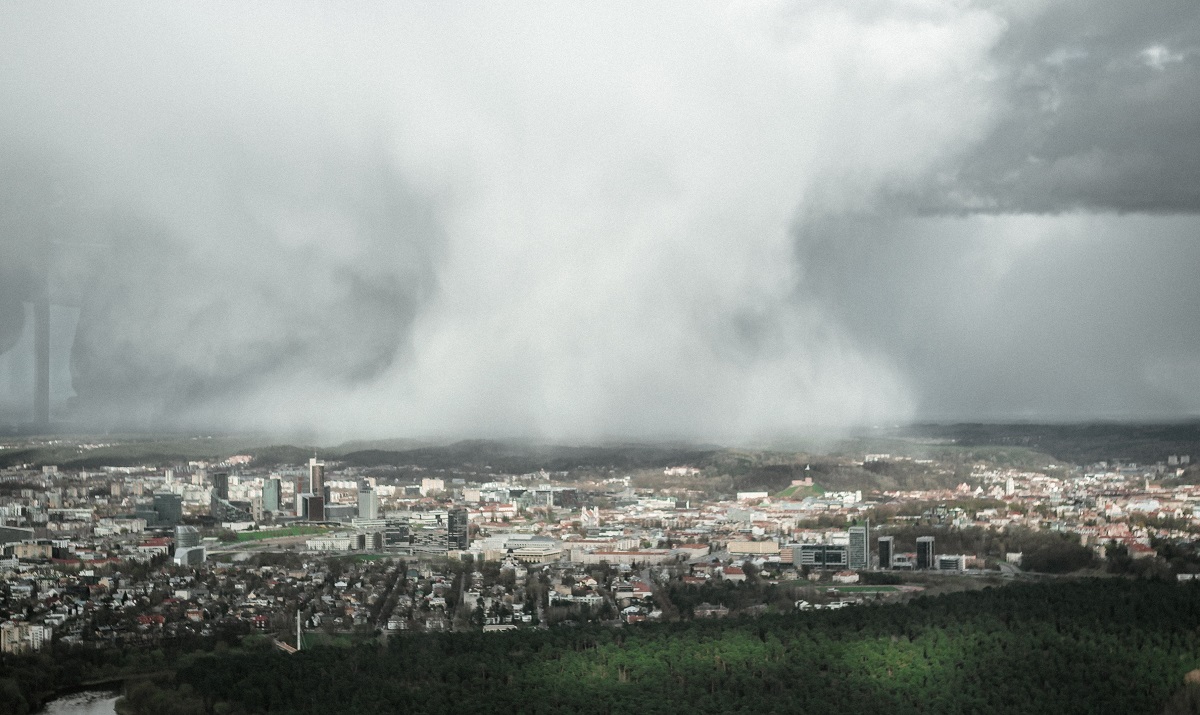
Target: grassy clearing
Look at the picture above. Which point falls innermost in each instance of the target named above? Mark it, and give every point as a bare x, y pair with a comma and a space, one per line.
279, 533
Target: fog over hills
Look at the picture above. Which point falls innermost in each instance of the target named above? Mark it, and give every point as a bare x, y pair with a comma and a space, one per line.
707, 221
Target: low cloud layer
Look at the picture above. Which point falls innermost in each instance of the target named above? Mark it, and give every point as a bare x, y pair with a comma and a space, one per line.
718, 221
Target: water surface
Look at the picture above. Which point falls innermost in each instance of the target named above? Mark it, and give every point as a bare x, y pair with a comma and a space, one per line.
94, 702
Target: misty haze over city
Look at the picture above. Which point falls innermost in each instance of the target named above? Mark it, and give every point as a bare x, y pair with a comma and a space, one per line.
711, 220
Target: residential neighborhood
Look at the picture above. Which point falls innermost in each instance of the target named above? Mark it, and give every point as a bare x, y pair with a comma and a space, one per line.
320, 550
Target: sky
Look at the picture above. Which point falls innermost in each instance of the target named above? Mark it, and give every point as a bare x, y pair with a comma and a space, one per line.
697, 220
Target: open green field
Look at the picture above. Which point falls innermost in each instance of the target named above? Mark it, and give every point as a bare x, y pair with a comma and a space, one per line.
280, 533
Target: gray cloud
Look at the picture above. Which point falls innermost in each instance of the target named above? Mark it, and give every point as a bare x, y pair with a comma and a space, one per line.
448, 220
296, 270
1002, 317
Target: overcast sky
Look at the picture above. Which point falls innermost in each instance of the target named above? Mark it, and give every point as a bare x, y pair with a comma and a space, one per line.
564, 220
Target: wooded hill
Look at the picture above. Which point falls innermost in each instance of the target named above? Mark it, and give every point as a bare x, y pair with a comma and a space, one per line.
834, 463
1105, 645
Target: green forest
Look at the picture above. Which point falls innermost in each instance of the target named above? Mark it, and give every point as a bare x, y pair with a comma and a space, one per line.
1078, 646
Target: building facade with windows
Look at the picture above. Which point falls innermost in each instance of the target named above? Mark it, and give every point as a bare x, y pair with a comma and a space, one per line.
925, 556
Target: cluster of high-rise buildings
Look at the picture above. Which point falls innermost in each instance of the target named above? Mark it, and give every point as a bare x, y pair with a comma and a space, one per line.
851, 550
310, 494
18, 637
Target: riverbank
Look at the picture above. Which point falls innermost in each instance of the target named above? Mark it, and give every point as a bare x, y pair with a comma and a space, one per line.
91, 702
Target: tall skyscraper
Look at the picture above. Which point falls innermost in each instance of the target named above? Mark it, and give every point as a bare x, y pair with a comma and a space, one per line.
859, 553
220, 485
316, 477
188, 548
271, 494
169, 508
186, 537
887, 547
220, 495
368, 503
313, 507
458, 529
925, 552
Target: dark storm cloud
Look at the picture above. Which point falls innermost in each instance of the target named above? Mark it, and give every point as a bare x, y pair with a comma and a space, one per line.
586, 222
1048, 297
996, 317
1100, 111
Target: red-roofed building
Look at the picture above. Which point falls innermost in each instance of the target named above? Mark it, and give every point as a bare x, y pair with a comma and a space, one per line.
1141, 551
733, 573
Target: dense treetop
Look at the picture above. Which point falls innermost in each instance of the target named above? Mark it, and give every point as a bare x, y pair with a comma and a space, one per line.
1107, 645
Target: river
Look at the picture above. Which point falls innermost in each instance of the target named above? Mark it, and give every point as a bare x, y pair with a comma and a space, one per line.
94, 702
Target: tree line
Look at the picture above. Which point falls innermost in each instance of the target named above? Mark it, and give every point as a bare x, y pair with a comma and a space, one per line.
1097, 645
